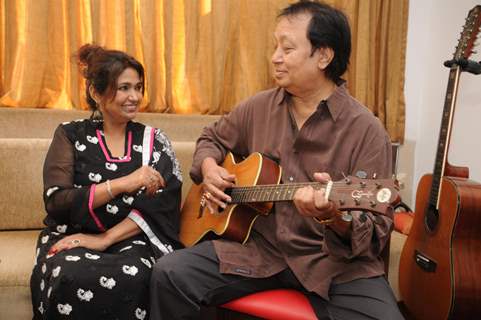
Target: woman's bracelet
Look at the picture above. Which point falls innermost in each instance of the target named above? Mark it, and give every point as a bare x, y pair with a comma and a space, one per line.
109, 189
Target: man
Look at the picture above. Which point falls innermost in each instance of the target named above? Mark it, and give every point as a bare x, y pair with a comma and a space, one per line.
315, 130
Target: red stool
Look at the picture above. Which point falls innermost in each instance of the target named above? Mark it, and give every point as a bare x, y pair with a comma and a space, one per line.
279, 304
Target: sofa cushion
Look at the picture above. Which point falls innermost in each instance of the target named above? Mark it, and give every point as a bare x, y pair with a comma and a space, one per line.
15, 303
21, 165
41, 123
17, 254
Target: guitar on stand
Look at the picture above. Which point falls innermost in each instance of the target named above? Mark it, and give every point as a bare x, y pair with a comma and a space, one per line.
439, 268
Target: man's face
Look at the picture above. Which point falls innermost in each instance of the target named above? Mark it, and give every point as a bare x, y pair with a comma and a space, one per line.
296, 68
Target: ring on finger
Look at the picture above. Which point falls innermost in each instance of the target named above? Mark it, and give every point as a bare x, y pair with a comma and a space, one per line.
207, 195
75, 242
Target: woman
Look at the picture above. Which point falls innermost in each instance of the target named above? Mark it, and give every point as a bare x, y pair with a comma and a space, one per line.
112, 195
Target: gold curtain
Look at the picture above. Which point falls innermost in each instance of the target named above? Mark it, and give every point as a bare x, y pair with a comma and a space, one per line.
200, 56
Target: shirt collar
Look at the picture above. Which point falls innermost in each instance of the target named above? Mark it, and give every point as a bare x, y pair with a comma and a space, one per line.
336, 100
334, 103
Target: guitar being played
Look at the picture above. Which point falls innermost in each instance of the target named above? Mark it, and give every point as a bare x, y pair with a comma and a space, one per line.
231, 212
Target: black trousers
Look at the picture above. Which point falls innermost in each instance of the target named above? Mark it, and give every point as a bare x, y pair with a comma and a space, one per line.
187, 279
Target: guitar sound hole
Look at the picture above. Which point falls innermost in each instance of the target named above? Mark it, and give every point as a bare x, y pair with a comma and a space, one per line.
431, 218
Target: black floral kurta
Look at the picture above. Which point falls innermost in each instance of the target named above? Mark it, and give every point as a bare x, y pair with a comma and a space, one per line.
85, 284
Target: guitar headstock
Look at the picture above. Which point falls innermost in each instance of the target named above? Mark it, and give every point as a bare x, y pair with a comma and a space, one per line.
374, 195
466, 42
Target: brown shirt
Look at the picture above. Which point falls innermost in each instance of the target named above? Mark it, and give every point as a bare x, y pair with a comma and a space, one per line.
341, 137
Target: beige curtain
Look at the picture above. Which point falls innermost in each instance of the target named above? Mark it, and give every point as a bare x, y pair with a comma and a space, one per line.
201, 56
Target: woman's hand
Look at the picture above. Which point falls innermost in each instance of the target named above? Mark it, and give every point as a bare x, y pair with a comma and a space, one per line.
216, 180
98, 242
144, 176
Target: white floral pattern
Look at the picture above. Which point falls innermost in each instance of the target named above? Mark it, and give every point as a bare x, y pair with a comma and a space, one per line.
128, 200
51, 190
84, 295
130, 270
140, 314
80, 147
90, 256
44, 239
64, 309
56, 271
108, 283
113, 209
125, 248
156, 157
95, 177
146, 262
62, 228
111, 166
72, 258
93, 140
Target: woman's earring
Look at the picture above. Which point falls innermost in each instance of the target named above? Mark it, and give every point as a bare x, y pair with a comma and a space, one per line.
97, 114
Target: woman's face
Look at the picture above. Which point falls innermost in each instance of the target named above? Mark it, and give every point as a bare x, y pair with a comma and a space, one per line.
128, 95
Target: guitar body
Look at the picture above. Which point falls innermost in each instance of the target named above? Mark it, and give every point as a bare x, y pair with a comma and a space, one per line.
235, 221
438, 271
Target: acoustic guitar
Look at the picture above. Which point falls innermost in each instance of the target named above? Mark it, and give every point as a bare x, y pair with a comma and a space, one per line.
439, 268
257, 188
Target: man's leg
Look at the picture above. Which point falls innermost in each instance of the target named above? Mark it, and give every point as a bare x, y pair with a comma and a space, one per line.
360, 299
186, 279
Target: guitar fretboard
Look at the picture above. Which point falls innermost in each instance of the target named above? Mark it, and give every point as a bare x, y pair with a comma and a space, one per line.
268, 193
444, 135
285, 192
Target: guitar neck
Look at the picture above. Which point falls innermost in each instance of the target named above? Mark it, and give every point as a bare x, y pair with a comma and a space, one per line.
268, 193
348, 194
444, 134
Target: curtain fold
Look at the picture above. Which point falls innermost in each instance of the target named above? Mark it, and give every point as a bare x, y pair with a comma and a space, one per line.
200, 56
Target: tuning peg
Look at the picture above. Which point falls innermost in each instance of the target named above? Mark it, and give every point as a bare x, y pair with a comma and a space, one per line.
374, 175
347, 181
363, 184
357, 201
342, 202
378, 185
372, 203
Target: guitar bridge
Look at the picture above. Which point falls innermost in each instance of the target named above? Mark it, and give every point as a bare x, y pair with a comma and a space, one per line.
424, 262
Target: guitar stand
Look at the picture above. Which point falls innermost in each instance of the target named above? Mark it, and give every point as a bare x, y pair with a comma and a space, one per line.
465, 64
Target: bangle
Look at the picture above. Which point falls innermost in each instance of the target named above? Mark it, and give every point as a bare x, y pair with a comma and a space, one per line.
330, 220
109, 189
327, 221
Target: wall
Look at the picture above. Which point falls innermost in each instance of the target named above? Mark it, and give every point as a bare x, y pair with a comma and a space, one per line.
433, 31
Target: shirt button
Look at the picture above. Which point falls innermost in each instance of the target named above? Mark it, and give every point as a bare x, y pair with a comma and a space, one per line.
291, 179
